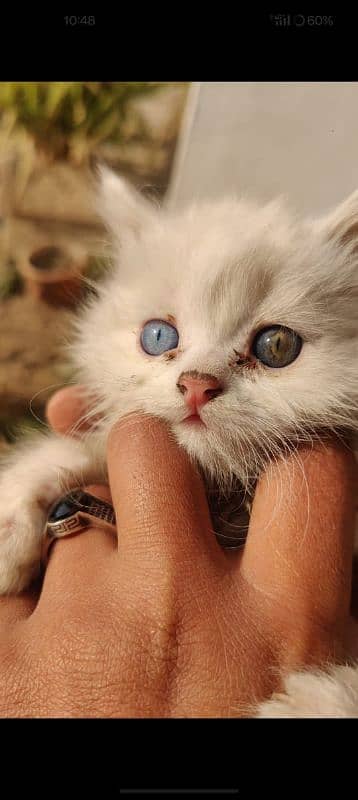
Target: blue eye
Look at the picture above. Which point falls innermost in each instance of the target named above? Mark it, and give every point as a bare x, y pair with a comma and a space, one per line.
158, 336
277, 346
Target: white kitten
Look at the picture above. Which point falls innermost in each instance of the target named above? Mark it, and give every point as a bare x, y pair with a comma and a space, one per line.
239, 317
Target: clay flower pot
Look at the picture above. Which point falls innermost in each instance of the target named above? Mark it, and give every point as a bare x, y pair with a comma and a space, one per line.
54, 274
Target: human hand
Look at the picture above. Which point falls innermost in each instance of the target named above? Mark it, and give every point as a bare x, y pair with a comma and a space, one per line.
165, 623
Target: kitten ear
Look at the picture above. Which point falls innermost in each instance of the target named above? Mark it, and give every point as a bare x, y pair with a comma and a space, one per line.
341, 225
121, 207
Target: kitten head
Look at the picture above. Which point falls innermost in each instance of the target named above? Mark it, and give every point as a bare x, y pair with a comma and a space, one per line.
235, 323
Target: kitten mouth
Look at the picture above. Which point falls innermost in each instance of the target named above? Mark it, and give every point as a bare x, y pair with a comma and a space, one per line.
194, 419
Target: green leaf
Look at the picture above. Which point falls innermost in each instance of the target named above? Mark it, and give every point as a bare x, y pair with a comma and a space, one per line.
55, 96
54, 113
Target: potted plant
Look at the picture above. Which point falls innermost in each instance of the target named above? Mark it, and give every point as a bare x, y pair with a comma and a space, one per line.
48, 133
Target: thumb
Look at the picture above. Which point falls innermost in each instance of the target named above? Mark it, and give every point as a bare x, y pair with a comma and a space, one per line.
69, 411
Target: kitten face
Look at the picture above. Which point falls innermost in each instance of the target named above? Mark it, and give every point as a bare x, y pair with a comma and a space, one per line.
219, 274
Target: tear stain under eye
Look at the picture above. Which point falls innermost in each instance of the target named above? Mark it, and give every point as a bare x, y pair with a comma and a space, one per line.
171, 319
241, 360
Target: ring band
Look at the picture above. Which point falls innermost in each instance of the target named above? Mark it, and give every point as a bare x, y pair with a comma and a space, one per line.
74, 513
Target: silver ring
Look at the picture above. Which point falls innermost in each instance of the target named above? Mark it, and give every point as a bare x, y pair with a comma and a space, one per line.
74, 513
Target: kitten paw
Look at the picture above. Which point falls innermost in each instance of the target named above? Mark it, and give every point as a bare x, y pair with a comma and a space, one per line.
21, 527
316, 694
30, 481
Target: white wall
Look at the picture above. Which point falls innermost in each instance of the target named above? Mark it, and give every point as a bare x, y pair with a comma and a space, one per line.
264, 139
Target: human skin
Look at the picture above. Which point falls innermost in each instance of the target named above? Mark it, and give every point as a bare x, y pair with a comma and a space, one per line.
165, 623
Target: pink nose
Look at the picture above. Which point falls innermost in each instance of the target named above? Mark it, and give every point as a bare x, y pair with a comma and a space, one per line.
198, 389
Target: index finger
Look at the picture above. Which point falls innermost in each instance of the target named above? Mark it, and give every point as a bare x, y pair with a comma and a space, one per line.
163, 520
300, 544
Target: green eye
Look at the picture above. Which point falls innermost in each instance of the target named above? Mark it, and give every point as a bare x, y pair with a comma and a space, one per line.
276, 346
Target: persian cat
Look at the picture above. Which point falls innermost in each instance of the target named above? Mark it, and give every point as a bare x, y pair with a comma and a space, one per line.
238, 325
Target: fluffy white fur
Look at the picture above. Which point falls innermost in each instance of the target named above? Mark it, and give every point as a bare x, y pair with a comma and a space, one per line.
316, 694
222, 271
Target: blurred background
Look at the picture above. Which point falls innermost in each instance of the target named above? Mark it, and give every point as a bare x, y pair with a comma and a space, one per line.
53, 248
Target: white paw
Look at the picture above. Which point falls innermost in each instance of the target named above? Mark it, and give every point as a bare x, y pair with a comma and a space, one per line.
21, 527
316, 694
35, 475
